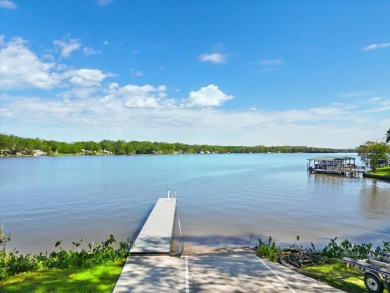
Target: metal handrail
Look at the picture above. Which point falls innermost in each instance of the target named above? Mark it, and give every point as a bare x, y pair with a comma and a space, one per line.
169, 194
181, 240
181, 244
181, 234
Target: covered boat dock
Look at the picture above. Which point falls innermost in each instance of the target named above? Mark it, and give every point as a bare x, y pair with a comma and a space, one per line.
335, 165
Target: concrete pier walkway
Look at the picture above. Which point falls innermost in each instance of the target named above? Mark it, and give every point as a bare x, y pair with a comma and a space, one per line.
151, 269
230, 271
156, 235
155, 239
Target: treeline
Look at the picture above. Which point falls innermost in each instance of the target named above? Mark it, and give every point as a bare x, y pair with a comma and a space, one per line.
14, 145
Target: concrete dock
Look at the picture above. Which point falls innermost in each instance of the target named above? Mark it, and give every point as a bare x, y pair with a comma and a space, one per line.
156, 235
150, 268
154, 240
231, 271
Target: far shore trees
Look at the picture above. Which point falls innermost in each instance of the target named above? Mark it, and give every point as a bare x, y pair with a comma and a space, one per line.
11, 145
374, 153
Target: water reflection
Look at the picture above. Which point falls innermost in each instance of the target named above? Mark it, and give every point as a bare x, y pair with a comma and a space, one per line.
328, 180
375, 199
354, 208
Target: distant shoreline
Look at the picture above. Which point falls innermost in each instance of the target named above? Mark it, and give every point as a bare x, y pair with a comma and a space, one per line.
130, 155
11, 145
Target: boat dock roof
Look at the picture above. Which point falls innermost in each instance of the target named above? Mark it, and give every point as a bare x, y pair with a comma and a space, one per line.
330, 158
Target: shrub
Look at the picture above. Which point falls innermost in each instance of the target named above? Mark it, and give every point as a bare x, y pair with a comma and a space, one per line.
333, 249
13, 263
348, 249
268, 250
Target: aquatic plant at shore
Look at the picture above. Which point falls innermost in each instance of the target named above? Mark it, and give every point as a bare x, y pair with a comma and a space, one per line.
324, 265
333, 249
268, 250
348, 249
13, 263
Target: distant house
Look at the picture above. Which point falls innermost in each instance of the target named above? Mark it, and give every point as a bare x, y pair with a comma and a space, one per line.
38, 153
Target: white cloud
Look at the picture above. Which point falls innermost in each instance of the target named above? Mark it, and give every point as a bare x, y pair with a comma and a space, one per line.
271, 62
89, 51
209, 96
134, 96
135, 72
136, 112
374, 100
214, 58
79, 93
67, 46
379, 104
356, 94
269, 65
7, 4
21, 68
87, 77
376, 46
148, 96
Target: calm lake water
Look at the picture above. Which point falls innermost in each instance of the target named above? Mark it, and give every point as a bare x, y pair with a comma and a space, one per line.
223, 200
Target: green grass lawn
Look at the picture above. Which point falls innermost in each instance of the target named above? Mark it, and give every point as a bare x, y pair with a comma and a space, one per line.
383, 171
100, 278
339, 276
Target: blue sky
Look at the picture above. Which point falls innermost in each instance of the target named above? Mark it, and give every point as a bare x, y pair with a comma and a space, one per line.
313, 73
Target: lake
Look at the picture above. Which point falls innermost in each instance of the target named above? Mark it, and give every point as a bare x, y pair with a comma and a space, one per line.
223, 200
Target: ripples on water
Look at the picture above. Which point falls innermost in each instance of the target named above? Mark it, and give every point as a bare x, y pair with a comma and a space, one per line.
222, 199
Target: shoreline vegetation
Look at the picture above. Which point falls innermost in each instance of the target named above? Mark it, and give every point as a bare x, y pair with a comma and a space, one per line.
14, 146
324, 265
96, 268
382, 173
82, 255
85, 268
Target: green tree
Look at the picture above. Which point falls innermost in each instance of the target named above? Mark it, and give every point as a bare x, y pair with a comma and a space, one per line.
129, 149
76, 147
373, 153
120, 147
388, 136
107, 145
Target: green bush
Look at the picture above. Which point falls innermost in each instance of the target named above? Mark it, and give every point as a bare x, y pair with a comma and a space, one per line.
333, 249
13, 263
348, 249
268, 250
